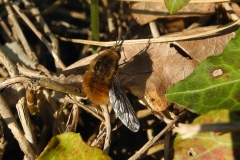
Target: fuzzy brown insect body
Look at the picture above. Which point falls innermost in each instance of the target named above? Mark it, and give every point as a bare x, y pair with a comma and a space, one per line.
97, 79
101, 86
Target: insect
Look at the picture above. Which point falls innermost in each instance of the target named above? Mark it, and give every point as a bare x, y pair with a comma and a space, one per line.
101, 86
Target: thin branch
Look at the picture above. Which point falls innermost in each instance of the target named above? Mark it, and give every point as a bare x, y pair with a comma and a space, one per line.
11, 68
25, 119
54, 85
40, 36
230, 11
14, 80
6, 30
108, 128
152, 141
169, 38
35, 11
73, 118
18, 31
11, 122
154, 29
99, 138
72, 100
188, 131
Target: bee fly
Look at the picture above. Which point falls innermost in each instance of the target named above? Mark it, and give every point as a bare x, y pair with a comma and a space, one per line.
101, 85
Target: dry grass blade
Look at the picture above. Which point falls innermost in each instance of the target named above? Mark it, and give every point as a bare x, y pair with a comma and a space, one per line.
40, 36
161, 39
14, 80
13, 126
108, 129
148, 66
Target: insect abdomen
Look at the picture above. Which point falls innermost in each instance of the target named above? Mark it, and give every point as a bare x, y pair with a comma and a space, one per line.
96, 92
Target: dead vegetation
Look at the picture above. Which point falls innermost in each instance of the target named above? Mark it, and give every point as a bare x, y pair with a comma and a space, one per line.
41, 97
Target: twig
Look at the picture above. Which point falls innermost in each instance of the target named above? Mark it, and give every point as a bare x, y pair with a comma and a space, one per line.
12, 70
108, 128
14, 80
25, 120
143, 113
73, 118
155, 149
188, 131
154, 30
99, 138
40, 36
229, 9
72, 100
52, 7
169, 38
31, 72
6, 30
19, 32
35, 11
167, 144
3, 145
111, 27
15, 52
51, 84
9, 119
152, 141
54, 110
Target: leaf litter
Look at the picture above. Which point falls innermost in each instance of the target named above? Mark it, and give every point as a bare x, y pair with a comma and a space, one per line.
154, 68
147, 72
146, 12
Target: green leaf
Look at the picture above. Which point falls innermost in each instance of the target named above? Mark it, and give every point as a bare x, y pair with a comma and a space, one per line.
210, 145
175, 5
70, 146
214, 84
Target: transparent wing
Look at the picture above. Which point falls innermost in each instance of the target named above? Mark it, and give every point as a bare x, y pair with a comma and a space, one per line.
122, 106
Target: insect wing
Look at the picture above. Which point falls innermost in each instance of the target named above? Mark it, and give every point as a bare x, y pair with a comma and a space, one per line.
122, 106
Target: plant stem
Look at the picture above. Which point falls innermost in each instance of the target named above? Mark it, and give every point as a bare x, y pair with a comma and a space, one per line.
94, 20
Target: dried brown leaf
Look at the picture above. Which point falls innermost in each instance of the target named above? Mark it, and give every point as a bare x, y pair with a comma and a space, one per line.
146, 12
151, 69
